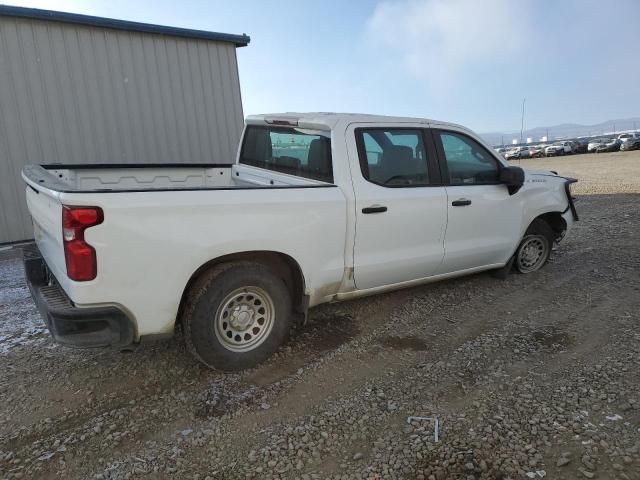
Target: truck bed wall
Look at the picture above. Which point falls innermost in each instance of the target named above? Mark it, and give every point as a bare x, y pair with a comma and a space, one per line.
145, 178
141, 178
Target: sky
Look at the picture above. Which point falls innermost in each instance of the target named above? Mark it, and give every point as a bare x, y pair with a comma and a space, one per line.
465, 61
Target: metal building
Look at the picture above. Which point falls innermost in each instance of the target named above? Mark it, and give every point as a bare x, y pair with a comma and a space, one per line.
83, 89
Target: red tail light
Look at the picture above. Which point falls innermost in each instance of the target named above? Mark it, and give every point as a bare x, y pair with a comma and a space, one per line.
80, 257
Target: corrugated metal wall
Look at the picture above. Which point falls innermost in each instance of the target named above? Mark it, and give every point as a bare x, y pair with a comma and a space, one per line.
78, 94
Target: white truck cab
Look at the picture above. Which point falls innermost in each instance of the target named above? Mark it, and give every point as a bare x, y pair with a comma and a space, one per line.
316, 207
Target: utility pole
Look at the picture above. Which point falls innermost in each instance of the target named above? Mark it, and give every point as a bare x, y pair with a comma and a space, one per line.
522, 121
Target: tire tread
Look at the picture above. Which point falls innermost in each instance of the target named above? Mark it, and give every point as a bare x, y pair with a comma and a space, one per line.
206, 284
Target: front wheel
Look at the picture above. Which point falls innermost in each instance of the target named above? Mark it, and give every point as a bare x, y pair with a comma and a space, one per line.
237, 315
535, 248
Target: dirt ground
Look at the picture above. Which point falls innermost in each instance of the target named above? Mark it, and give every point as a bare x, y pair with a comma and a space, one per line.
616, 172
536, 376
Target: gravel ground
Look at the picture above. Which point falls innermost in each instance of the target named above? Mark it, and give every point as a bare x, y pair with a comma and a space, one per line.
536, 376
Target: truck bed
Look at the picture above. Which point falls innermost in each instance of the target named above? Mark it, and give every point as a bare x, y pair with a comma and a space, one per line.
157, 177
162, 223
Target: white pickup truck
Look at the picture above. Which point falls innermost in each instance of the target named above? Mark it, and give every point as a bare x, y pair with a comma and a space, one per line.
316, 208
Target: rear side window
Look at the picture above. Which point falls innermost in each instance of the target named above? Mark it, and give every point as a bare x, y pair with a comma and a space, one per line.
288, 150
393, 157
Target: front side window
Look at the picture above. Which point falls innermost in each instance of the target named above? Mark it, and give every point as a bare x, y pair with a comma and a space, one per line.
393, 158
467, 161
293, 151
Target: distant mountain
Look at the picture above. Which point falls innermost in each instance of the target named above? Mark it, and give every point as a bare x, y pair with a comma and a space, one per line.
565, 130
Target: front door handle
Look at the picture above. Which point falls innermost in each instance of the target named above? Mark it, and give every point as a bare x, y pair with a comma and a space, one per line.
374, 209
461, 202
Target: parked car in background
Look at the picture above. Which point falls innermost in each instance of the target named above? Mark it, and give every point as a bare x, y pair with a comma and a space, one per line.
574, 146
501, 151
623, 137
553, 150
568, 146
537, 151
608, 145
630, 144
580, 145
558, 148
125, 252
517, 153
594, 143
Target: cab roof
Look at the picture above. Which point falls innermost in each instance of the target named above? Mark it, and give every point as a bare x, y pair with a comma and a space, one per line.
328, 120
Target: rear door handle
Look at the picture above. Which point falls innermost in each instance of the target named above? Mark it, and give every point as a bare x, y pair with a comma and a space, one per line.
462, 202
374, 209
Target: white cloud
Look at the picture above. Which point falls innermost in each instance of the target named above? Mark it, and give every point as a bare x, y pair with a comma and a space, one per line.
435, 39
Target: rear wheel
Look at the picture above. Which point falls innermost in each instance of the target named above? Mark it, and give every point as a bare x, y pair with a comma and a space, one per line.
237, 315
535, 248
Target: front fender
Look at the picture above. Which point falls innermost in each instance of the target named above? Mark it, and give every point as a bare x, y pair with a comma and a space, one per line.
545, 193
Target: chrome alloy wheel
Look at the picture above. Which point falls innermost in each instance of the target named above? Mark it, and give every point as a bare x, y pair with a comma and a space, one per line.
244, 319
532, 253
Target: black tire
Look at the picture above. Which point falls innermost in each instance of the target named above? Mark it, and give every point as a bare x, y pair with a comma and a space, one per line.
535, 248
208, 302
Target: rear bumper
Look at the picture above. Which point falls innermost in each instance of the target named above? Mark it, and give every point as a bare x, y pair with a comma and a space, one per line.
104, 326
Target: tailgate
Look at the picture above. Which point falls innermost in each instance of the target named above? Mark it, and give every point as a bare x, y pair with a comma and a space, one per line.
46, 212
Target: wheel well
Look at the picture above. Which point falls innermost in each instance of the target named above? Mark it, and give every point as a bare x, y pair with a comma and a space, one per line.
283, 265
555, 221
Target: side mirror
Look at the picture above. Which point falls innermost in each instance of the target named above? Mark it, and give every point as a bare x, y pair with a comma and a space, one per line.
512, 177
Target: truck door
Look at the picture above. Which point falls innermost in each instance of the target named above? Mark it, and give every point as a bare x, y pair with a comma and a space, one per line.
401, 205
483, 225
